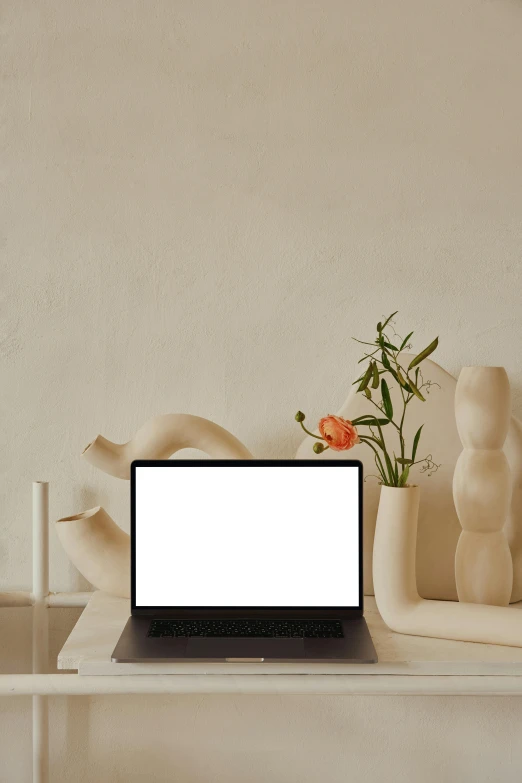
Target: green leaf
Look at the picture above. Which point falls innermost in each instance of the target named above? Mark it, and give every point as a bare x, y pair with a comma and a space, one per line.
416, 391
394, 374
387, 321
401, 380
391, 472
390, 346
403, 478
386, 399
359, 379
366, 378
416, 443
389, 368
423, 354
369, 421
404, 461
375, 381
405, 341
386, 361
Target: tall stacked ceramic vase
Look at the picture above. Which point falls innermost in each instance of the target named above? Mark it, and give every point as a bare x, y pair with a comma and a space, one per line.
482, 486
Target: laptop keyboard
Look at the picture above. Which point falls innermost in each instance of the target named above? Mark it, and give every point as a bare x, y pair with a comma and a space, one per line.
246, 629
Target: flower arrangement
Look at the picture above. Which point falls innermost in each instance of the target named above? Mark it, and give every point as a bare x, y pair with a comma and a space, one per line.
383, 365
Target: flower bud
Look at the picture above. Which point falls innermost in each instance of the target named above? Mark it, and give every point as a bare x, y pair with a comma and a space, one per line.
299, 416
318, 447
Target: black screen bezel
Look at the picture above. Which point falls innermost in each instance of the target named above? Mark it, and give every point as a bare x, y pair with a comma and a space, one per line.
244, 611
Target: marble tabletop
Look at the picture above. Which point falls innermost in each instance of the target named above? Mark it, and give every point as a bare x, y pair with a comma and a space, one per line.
89, 647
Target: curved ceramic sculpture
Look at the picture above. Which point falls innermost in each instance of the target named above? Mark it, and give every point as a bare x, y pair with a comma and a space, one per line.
98, 548
482, 487
439, 526
161, 437
396, 594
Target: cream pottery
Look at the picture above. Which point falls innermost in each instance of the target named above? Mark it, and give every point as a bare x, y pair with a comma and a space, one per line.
396, 594
99, 549
482, 487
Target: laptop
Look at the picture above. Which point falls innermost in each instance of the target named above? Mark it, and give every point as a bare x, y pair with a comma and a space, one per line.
246, 561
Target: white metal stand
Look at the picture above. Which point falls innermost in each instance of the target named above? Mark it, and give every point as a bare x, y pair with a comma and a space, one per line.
40, 600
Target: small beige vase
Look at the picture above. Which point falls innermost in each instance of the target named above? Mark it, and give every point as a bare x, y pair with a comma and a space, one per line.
394, 552
482, 487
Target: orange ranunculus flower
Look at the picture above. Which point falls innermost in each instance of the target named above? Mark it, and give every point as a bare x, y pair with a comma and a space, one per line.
339, 433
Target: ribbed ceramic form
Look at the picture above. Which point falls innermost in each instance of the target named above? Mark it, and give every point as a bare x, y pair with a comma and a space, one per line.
482, 487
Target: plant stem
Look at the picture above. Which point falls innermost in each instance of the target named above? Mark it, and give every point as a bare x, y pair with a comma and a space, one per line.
404, 403
378, 462
318, 437
382, 412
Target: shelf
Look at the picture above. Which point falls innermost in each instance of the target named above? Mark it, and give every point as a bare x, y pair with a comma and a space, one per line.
407, 664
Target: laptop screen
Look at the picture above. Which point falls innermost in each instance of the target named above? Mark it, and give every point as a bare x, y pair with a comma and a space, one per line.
211, 534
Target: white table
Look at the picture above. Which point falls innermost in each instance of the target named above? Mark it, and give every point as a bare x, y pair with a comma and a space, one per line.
407, 664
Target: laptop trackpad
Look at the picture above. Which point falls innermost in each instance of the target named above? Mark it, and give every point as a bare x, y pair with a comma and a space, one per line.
275, 649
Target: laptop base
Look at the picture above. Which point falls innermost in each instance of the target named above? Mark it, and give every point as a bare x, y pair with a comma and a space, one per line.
135, 646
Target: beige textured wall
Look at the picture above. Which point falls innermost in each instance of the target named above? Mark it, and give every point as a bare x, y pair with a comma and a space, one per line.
201, 203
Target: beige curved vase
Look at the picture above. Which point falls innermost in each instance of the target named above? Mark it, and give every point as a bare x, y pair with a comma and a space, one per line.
482, 487
396, 594
160, 438
98, 548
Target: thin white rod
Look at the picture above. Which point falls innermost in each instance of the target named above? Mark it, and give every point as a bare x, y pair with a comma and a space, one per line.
15, 598
65, 600
267, 684
40, 540
40, 628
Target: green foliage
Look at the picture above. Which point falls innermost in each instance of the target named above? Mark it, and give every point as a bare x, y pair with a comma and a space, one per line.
366, 378
424, 354
416, 442
384, 368
386, 399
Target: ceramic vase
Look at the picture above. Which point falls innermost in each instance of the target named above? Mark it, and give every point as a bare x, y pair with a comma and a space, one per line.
394, 550
99, 549
482, 487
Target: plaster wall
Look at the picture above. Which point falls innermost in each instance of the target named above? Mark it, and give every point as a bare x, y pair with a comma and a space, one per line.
201, 203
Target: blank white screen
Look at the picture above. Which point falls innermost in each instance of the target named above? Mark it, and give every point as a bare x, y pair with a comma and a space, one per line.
247, 536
